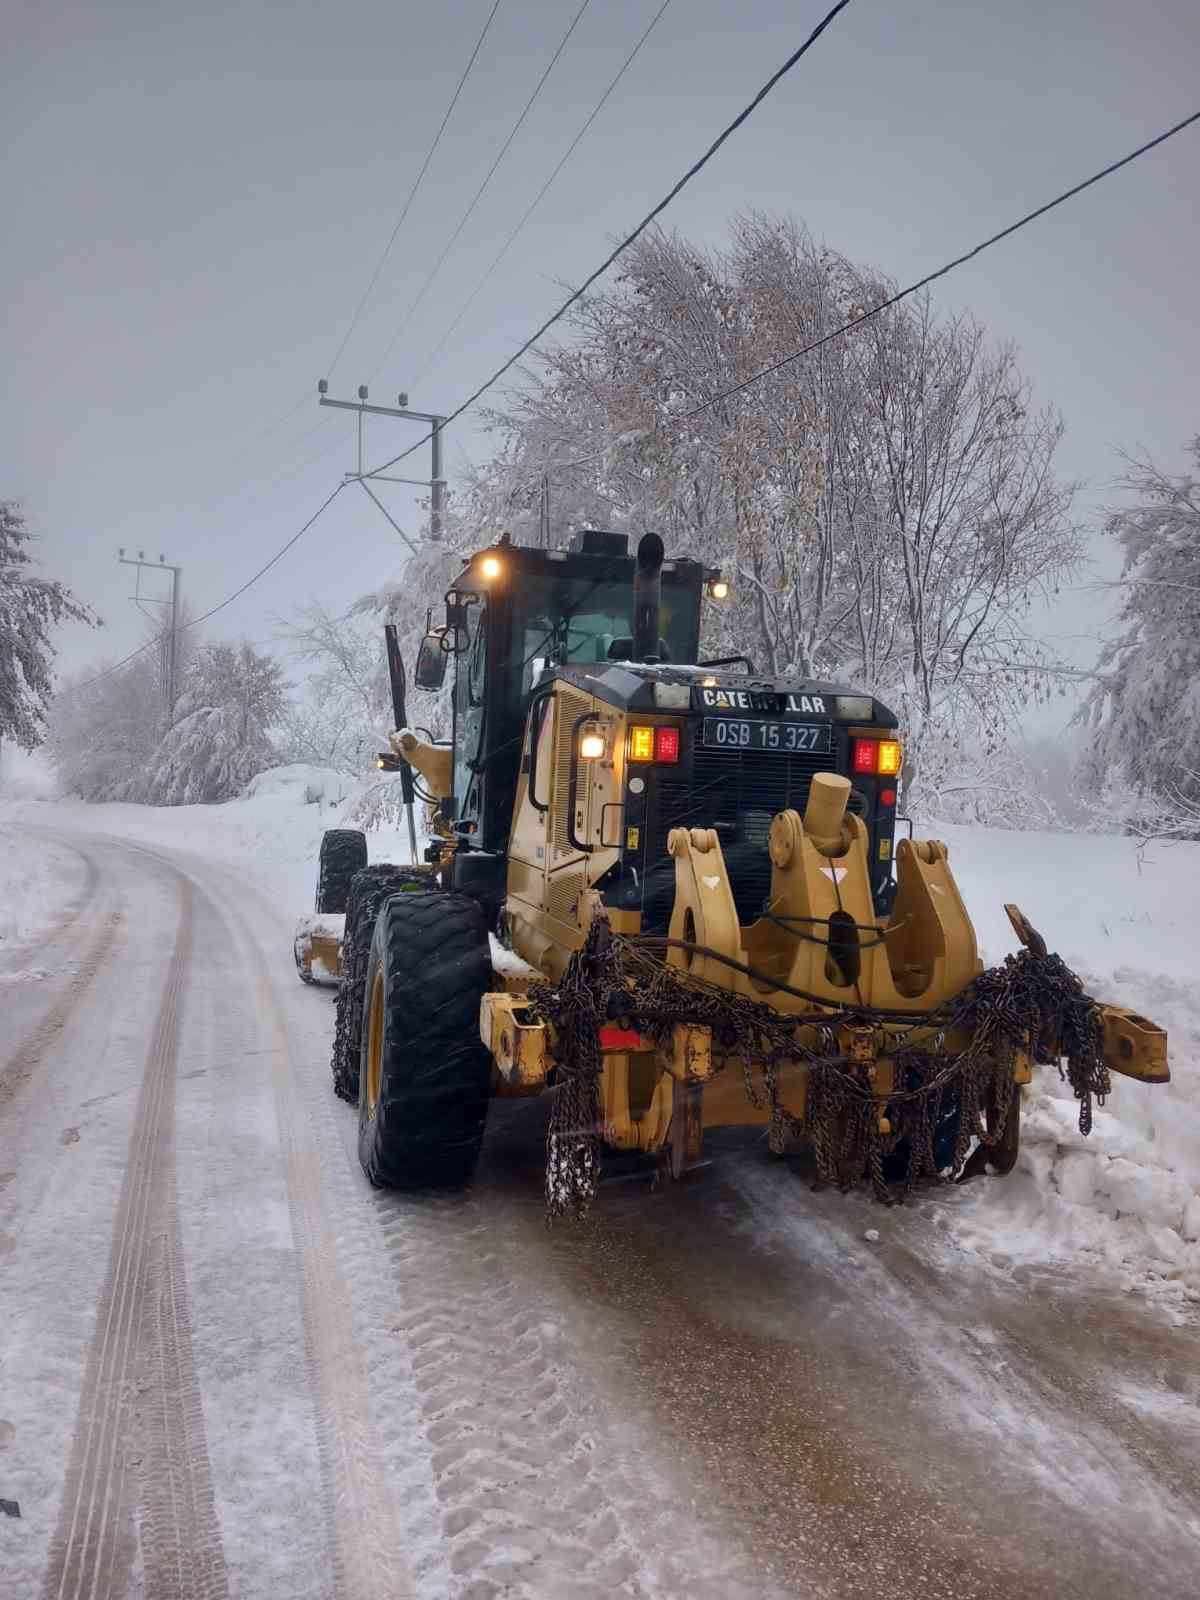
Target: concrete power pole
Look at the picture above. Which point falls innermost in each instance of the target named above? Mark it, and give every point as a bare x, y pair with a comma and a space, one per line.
435, 483
169, 638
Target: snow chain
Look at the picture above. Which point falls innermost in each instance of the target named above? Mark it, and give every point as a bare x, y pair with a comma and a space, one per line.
1033, 1002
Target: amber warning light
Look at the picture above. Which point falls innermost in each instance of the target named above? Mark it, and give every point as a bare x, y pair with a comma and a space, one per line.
882, 756
653, 744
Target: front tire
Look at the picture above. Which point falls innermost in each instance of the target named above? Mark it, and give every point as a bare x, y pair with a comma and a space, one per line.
343, 853
425, 1076
368, 890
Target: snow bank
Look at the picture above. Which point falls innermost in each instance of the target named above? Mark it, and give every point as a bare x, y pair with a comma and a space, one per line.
1126, 1198
38, 878
38, 881
272, 832
301, 784
25, 777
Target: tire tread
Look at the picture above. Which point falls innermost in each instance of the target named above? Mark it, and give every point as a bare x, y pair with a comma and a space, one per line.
436, 1072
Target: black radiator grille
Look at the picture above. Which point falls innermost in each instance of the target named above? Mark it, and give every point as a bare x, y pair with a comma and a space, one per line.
737, 792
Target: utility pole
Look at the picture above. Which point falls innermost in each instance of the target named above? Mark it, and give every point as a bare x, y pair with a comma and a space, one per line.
435, 483
169, 637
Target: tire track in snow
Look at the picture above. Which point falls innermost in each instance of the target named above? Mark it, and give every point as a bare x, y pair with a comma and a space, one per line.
361, 1510
96, 940
75, 908
147, 1451
523, 1495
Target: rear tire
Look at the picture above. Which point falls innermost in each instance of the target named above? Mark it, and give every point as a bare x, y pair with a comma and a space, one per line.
368, 890
425, 1076
343, 853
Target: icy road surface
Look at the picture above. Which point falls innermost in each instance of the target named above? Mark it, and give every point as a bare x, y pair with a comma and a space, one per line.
228, 1368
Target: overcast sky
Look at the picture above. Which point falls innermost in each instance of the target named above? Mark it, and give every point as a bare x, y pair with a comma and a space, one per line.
195, 196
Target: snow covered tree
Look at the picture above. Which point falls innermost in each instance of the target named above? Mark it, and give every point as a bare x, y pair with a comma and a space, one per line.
29, 607
344, 710
1145, 710
101, 735
886, 506
220, 739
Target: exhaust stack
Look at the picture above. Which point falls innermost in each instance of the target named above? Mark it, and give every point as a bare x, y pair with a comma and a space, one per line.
647, 598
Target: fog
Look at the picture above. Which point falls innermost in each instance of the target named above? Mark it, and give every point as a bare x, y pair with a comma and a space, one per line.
196, 198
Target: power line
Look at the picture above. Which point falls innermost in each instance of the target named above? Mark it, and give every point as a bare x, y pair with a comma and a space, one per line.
298, 405
693, 170
478, 195
194, 622
267, 565
412, 193
902, 294
542, 192
696, 167
930, 277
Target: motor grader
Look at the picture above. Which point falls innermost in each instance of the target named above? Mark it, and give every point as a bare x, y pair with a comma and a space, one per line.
670, 891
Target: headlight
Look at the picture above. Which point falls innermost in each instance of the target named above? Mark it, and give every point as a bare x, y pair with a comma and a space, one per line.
491, 567
718, 587
855, 707
672, 696
592, 743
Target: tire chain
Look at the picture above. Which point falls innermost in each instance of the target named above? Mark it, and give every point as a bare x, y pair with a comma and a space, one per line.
1033, 1002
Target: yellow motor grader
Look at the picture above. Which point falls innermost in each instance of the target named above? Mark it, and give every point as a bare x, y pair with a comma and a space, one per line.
670, 891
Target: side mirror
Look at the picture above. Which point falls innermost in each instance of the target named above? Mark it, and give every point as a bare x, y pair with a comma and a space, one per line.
430, 671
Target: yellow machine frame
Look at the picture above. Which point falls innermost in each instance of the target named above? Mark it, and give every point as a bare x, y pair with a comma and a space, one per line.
923, 955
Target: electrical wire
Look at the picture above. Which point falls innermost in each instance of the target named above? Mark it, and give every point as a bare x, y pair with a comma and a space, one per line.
895, 299
194, 622
931, 277
412, 193
298, 405
542, 192
478, 195
696, 167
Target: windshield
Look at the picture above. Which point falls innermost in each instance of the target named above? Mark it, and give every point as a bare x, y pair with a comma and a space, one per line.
576, 620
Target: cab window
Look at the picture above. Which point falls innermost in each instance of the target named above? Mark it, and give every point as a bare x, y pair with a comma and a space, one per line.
470, 678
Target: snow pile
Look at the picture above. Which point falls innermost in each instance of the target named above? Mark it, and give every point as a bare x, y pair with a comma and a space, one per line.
272, 832
301, 784
321, 925
25, 777
506, 964
38, 881
1127, 1198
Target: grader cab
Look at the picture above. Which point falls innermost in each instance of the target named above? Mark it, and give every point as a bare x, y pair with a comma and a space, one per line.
670, 891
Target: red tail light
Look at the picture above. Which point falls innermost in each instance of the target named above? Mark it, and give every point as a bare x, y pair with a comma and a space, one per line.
864, 755
666, 744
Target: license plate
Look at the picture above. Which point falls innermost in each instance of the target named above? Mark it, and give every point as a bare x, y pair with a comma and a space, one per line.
730, 733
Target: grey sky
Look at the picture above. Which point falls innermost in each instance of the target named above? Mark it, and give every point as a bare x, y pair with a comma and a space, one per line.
196, 194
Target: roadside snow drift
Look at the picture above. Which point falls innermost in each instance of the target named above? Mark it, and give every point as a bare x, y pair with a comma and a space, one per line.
1127, 1198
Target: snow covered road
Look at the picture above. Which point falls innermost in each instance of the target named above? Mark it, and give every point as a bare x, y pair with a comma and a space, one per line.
228, 1368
